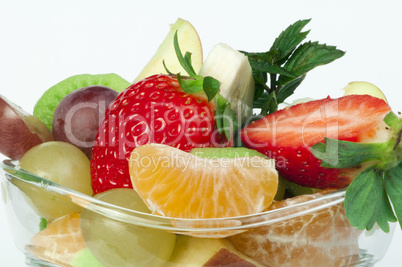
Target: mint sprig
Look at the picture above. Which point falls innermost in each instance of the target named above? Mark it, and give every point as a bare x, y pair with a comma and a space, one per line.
369, 196
193, 83
279, 71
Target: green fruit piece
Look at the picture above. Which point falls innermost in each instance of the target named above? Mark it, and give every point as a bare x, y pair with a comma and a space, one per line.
84, 258
225, 152
297, 190
280, 194
46, 105
119, 243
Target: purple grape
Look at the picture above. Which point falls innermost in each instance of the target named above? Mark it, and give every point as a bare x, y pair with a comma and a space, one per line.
78, 115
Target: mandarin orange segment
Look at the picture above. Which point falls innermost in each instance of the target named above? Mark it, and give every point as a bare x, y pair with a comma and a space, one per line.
320, 238
60, 241
177, 184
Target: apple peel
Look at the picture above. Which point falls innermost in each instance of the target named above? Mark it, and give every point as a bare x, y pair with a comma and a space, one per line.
19, 130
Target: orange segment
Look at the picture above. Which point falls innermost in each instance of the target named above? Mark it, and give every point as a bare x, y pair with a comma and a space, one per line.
320, 238
177, 184
60, 241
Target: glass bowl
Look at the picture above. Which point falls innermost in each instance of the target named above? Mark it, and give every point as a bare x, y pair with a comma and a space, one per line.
307, 231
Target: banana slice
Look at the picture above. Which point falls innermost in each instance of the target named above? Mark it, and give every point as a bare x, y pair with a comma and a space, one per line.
233, 70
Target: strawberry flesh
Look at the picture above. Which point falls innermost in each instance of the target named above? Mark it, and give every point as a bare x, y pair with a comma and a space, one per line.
154, 110
288, 134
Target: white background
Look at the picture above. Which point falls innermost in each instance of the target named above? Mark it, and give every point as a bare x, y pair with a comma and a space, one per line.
43, 42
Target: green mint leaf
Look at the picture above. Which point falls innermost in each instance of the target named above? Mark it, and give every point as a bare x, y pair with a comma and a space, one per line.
269, 105
42, 224
266, 102
185, 62
260, 102
393, 186
345, 154
289, 88
308, 56
257, 56
260, 77
190, 86
259, 90
288, 60
366, 201
288, 40
210, 87
263, 66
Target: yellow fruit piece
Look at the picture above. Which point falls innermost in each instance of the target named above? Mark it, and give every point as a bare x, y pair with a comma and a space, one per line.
193, 251
188, 41
364, 88
177, 184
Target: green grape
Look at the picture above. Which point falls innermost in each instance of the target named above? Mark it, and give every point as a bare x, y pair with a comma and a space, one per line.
63, 164
115, 243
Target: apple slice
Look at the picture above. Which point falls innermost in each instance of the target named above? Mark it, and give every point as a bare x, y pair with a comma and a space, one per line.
364, 88
19, 130
194, 251
226, 258
188, 41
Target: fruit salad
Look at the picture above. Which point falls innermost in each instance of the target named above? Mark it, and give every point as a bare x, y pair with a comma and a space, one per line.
203, 162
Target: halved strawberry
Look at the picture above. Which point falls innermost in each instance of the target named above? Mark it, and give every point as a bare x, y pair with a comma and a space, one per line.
287, 136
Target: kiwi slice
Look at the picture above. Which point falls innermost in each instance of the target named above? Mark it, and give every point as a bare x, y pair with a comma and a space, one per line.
46, 105
297, 190
225, 152
83, 258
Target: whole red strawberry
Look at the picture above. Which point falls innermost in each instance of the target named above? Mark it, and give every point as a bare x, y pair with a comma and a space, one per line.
287, 136
154, 110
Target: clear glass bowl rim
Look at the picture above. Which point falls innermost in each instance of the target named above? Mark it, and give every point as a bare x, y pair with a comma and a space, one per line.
178, 225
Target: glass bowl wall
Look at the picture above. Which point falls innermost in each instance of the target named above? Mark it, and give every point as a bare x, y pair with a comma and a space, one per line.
313, 233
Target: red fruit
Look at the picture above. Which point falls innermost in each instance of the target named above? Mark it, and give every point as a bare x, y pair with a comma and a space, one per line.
288, 134
154, 110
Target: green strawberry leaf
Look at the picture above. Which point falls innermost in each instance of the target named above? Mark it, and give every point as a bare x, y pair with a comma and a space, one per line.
393, 186
211, 87
366, 201
226, 122
345, 154
196, 83
185, 61
190, 85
